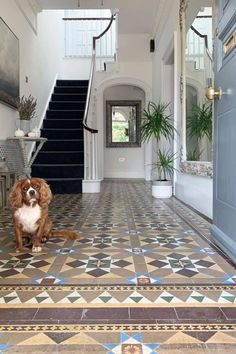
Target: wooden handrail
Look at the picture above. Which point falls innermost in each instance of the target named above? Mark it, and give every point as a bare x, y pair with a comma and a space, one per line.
85, 118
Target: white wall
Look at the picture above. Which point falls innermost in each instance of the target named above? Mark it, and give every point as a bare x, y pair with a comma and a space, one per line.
193, 190
134, 67
132, 164
39, 59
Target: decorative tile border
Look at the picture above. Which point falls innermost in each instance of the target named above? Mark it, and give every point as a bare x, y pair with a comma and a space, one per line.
117, 296
118, 327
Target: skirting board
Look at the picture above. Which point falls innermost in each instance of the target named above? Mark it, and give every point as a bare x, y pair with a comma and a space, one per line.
224, 242
91, 186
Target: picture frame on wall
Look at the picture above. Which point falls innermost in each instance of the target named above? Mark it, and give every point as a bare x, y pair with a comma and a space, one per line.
9, 65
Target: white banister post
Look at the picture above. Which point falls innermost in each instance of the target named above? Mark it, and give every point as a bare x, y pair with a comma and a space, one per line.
93, 157
96, 155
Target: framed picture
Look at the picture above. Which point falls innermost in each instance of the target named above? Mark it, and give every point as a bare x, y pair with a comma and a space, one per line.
9, 65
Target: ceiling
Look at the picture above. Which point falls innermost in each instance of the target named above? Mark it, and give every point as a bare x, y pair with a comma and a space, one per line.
135, 16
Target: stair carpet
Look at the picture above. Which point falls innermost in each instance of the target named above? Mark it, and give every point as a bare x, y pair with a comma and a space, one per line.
61, 160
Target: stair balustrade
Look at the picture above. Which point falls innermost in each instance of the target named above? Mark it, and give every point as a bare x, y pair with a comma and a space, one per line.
89, 121
197, 51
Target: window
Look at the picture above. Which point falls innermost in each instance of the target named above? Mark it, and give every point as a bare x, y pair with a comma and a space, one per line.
79, 34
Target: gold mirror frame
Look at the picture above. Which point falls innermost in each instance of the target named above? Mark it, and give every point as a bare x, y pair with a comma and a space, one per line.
198, 168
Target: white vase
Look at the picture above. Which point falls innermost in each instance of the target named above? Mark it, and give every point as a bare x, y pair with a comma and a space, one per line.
25, 126
161, 189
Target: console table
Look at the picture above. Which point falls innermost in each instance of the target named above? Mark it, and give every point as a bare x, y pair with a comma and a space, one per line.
22, 143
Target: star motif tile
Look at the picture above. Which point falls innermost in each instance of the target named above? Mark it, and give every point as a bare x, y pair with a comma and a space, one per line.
131, 345
49, 279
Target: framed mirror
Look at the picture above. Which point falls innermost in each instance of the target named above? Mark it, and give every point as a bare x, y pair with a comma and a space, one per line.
123, 123
197, 75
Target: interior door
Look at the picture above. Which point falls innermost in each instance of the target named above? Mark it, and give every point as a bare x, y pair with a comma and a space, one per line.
224, 194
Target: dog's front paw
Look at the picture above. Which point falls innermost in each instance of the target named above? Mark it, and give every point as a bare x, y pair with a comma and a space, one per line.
36, 249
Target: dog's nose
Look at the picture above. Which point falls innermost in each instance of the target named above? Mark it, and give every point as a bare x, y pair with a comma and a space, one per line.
31, 192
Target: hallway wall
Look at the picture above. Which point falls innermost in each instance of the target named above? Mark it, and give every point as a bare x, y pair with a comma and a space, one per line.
123, 162
39, 57
193, 190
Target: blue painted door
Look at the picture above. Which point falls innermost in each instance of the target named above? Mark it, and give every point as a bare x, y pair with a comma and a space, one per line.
224, 195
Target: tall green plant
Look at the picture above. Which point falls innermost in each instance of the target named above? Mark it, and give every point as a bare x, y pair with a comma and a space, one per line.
199, 123
194, 155
158, 123
164, 164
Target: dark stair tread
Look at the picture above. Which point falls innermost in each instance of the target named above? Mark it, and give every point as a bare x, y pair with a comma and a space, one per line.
70, 102
66, 110
58, 164
65, 179
65, 119
70, 93
66, 86
62, 129
61, 152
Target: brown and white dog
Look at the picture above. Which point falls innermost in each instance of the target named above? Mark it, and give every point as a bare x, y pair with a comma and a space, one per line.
29, 200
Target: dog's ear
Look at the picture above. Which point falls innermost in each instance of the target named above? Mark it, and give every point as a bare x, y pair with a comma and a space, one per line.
15, 197
45, 194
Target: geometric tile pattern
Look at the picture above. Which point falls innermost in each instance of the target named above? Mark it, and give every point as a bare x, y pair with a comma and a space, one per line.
145, 278
127, 239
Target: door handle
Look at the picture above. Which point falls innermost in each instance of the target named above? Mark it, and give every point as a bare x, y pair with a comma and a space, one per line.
211, 94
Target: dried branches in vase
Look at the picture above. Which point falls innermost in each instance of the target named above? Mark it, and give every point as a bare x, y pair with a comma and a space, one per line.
26, 107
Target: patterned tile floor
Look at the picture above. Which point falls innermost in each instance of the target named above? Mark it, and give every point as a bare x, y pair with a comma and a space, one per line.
145, 278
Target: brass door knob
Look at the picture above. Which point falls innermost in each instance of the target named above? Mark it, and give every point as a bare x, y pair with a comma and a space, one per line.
211, 94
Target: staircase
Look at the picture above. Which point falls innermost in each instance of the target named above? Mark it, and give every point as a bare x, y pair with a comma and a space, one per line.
61, 160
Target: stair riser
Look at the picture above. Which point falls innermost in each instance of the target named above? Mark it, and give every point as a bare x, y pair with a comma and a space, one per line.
55, 145
72, 83
62, 123
64, 187
65, 114
65, 171
71, 89
62, 134
60, 158
67, 105
68, 97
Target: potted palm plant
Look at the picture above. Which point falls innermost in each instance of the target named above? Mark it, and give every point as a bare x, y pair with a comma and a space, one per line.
157, 123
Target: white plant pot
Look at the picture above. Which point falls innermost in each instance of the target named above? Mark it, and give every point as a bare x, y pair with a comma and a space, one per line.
161, 189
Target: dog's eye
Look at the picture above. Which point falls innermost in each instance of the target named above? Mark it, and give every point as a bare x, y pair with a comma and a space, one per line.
36, 187
25, 189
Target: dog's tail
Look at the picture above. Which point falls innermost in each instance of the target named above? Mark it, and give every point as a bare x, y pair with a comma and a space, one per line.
70, 235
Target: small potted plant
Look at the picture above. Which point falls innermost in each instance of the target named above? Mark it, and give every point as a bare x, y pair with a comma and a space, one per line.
26, 107
158, 123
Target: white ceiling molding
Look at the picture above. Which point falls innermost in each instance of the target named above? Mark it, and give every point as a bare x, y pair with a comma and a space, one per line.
158, 17
35, 4
165, 14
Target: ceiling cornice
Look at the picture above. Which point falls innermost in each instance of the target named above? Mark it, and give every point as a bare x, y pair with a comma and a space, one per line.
35, 5
158, 18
